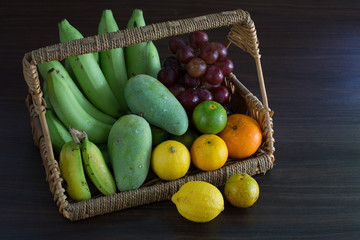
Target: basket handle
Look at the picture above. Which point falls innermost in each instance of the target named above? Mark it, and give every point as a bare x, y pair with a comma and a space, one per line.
245, 37
242, 34
126, 37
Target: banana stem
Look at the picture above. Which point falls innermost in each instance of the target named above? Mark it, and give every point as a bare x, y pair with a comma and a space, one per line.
77, 135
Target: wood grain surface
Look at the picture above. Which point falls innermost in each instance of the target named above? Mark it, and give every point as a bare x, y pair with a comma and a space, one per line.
311, 62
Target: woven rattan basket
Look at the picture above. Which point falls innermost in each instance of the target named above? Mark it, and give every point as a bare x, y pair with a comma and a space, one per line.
242, 34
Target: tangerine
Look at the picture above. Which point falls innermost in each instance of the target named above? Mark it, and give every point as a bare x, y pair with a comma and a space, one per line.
242, 135
241, 190
209, 152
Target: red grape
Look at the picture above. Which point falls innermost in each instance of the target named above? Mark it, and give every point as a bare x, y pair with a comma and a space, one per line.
167, 76
191, 82
171, 62
208, 86
176, 89
196, 67
181, 74
221, 49
213, 75
220, 94
175, 44
185, 54
189, 99
226, 65
227, 109
198, 38
209, 53
204, 94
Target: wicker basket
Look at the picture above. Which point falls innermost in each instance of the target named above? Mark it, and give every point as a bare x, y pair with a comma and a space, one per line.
242, 34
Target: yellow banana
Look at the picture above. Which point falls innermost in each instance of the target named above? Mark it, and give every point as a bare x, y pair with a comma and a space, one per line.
72, 172
96, 168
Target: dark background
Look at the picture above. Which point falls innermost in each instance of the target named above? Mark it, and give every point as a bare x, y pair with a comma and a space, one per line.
311, 62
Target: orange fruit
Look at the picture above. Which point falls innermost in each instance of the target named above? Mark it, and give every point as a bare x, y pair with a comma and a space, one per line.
241, 190
209, 117
242, 135
209, 152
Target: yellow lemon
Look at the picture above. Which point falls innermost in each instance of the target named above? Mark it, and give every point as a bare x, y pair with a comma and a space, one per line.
170, 160
198, 201
241, 190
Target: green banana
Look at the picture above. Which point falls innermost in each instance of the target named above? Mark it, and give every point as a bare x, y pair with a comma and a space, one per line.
72, 171
153, 60
141, 58
89, 75
68, 66
104, 150
136, 54
69, 70
85, 104
96, 56
49, 107
96, 168
112, 62
45, 95
58, 133
70, 112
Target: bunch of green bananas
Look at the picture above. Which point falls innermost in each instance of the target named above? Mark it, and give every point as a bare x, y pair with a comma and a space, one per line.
87, 95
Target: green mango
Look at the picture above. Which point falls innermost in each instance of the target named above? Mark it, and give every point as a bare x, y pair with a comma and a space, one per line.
148, 97
129, 148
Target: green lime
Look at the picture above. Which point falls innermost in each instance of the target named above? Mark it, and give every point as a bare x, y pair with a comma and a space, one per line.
209, 117
158, 135
187, 138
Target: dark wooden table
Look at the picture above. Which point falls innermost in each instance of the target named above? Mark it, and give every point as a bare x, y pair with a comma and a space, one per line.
311, 62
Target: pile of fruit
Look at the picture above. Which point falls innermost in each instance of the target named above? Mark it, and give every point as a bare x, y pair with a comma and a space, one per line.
128, 114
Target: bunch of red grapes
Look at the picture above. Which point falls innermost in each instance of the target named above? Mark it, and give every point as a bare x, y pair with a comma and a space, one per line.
196, 70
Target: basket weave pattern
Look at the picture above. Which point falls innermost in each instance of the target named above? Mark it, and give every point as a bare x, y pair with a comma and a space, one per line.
242, 34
